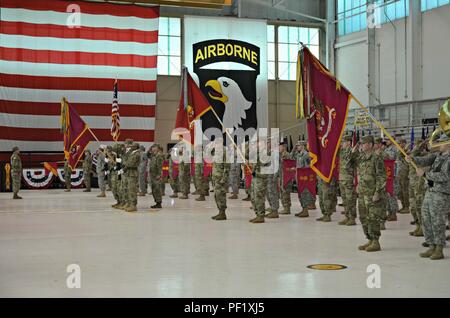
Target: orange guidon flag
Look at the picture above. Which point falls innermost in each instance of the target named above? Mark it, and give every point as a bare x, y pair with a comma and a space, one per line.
326, 104
193, 104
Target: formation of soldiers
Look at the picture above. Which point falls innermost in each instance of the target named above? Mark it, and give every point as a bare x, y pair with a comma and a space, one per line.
424, 193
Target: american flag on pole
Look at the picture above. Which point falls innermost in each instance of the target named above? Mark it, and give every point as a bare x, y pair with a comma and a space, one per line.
55, 48
115, 118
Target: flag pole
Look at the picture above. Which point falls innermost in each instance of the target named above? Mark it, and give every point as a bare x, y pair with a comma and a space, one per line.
92, 133
376, 122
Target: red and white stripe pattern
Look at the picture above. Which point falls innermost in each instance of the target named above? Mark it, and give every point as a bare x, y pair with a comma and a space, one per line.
42, 59
115, 117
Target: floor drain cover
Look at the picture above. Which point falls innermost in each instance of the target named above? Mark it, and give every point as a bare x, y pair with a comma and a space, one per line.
327, 267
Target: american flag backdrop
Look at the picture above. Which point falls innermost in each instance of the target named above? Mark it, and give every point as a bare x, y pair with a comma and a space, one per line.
42, 59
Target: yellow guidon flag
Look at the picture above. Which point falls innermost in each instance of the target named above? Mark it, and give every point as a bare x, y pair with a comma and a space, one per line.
299, 93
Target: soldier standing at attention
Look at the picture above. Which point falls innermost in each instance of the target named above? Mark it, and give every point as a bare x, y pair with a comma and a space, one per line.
403, 180
378, 149
220, 176
347, 181
112, 155
272, 187
391, 153
235, 173
417, 189
87, 170
101, 164
130, 167
259, 186
184, 173
67, 175
303, 159
142, 170
163, 179
436, 204
371, 185
172, 180
155, 171
16, 172
285, 191
198, 178
124, 182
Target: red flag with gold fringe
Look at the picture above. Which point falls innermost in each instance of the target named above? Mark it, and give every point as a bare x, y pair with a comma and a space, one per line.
289, 171
389, 165
306, 179
326, 104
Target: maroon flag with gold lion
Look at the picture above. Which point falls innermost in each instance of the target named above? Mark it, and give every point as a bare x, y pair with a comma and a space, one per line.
325, 103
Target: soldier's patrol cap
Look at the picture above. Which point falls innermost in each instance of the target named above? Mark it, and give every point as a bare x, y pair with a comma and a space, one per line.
368, 139
378, 140
15, 148
348, 138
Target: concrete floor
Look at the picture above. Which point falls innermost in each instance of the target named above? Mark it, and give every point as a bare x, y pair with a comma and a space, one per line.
180, 252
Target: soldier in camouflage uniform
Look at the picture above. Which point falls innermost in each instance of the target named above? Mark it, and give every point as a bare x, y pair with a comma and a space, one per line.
142, 171
87, 170
155, 165
235, 174
100, 169
163, 179
130, 168
16, 172
243, 166
184, 174
325, 200
112, 155
391, 153
259, 187
403, 180
417, 189
220, 176
67, 175
347, 170
172, 181
436, 204
123, 176
371, 185
307, 201
285, 191
378, 149
199, 180
272, 194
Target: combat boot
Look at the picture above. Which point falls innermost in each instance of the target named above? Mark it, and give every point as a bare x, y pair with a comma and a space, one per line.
364, 246
115, 205
195, 192
175, 195
425, 244
87, 190
286, 210
156, 206
258, 219
419, 232
248, 198
220, 217
16, 197
184, 197
392, 217
374, 246
428, 252
326, 218
413, 233
448, 238
201, 198
67, 190
320, 219
101, 195
131, 208
404, 211
351, 222
273, 215
303, 214
437, 254
343, 222
233, 196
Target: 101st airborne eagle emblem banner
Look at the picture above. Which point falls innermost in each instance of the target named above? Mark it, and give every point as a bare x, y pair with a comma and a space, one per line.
325, 103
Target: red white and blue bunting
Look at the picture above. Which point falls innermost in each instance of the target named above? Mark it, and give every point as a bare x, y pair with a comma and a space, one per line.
38, 178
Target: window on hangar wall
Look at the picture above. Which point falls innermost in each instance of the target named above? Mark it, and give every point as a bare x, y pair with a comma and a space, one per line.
289, 38
169, 46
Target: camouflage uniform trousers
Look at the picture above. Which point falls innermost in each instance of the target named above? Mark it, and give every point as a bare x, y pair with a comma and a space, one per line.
235, 170
156, 189
285, 193
273, 195
392, 203
115, 185
416, 196
68, 178
348, 194
259, 189
185, 178
123, 188
334, 194
199, 180
132, 184
16, 177
325, 198
220, 191
371, 215
87, 179
101, 181
435, 211
402, 190
174, 184
163, 185
306, 198
142, 180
